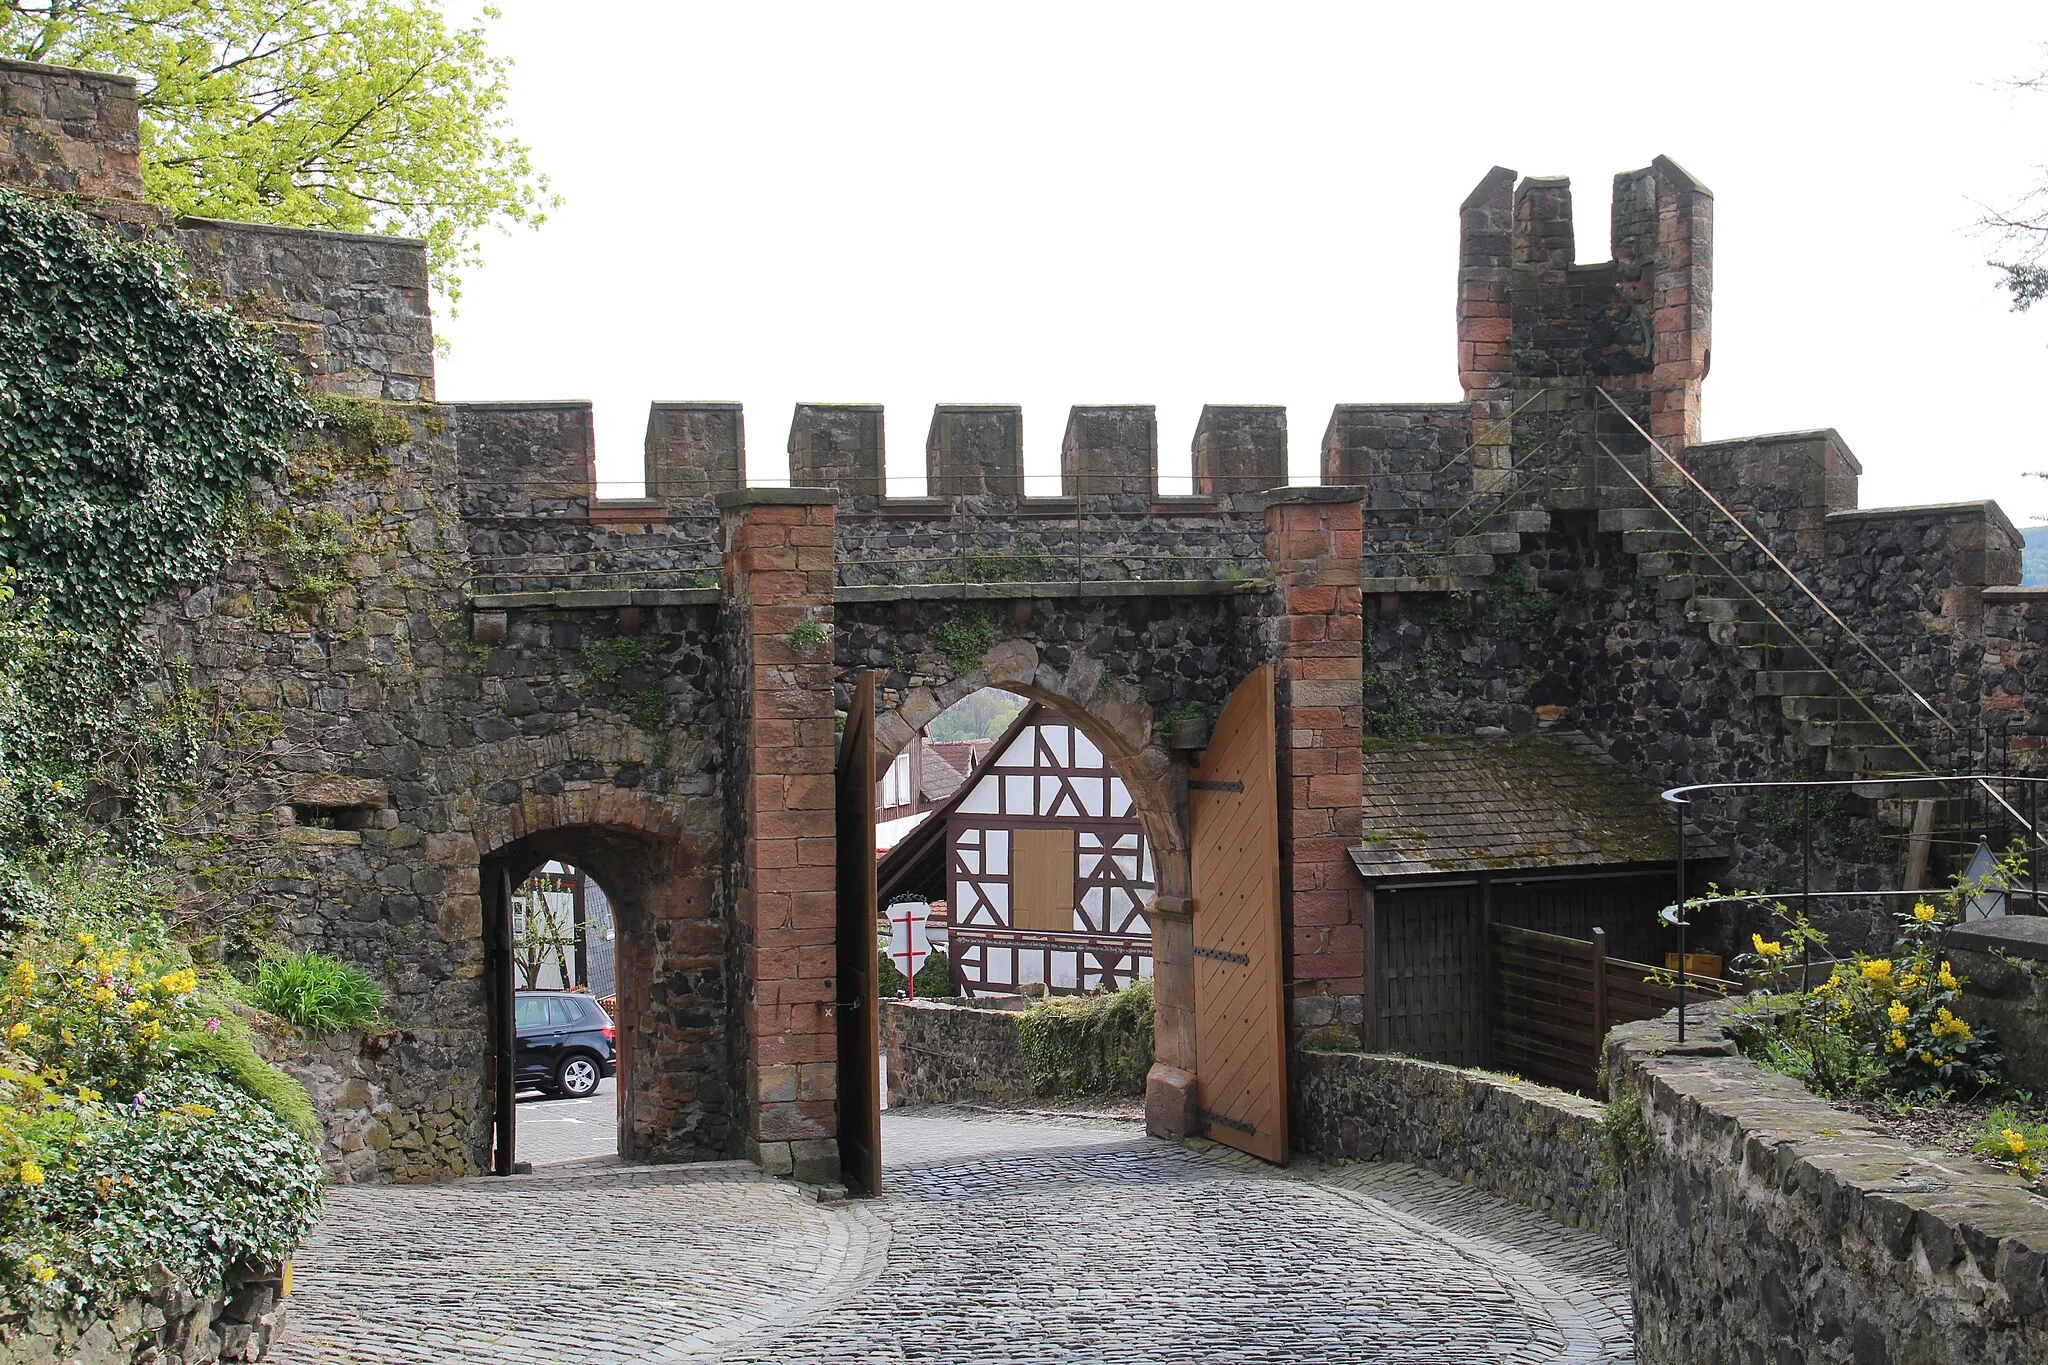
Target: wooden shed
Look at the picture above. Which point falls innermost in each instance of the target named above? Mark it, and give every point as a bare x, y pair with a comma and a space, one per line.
1541, 832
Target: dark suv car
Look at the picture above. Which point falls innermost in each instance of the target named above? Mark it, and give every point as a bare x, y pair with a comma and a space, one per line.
566, 1043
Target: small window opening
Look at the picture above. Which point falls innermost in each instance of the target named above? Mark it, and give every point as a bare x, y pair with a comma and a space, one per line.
335, 817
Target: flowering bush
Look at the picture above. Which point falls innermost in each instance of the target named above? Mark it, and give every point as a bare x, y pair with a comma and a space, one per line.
188, 1180
1875, 1023
2011, 1139
135, 1139
96, 1017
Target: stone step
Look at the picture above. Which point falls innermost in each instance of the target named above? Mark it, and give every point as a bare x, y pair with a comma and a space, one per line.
1677, 588
1488, 543
1633, 519
1522, 519
1573, 498
1776, 656
1729, 609
1869, 758
1646, 542
1829, 708
1662, 563
1766, 634
1795, 682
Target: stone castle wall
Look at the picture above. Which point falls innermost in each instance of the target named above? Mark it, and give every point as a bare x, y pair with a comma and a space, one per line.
443, 654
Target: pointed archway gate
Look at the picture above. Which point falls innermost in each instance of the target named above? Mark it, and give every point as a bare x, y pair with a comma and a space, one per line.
859, 1005
1240, 1012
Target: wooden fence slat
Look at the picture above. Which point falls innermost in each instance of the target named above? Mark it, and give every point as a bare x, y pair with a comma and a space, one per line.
1552, 1000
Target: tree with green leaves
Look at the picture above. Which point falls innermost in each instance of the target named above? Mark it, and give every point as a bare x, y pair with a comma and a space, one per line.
358, 115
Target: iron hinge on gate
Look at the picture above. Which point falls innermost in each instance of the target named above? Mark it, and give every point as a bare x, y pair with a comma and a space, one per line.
1211, 1116
1200, 785
1225, 955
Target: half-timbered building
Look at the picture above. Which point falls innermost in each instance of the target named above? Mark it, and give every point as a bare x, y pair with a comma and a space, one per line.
1042, 864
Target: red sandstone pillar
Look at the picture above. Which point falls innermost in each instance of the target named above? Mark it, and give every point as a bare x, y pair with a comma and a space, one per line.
1314, 543
780, 567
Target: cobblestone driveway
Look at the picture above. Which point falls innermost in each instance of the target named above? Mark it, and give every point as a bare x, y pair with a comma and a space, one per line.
1000, 1240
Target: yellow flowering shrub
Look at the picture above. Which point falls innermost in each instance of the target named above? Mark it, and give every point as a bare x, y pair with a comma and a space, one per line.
1878, 1024
2012, 1139
126, 1150
96, 1015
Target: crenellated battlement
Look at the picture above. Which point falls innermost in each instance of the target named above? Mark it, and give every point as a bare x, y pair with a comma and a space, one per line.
1531, 317
1569, 370
65, 131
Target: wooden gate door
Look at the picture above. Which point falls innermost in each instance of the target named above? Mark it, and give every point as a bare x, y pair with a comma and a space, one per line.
500, 998
1240, 1018
860, 1041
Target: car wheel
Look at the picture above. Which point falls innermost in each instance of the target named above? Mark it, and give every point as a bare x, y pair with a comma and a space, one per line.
577, 1077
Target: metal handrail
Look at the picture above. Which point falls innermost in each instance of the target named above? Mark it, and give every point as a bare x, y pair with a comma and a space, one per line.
1674, 914
1772, 555
1847, 688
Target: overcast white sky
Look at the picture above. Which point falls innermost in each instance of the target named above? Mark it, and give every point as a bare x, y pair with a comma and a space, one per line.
1049, 204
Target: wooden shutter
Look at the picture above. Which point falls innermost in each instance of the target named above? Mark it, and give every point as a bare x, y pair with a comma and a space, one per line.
1042, 880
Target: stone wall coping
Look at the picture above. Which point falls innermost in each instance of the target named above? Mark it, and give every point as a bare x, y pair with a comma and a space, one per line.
584, 599
779, 497
76, 72
1775, 438
1804, 1147
275, 230
1452, 583
1986, 508
2020, 935
1002, 1005
2014, 592
1316, 493
1564, 1101
1685, 178
516, 405
1461, 407
1033, 592
592, 599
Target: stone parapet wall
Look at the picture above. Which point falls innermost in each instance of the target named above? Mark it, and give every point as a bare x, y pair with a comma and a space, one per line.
2004, 963
944, 1053
1762, 1223
394, 1104
958, 540
364, 297
169, 1327
1524, 1142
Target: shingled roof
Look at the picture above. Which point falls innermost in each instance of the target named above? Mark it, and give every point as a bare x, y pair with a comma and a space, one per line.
1467, 804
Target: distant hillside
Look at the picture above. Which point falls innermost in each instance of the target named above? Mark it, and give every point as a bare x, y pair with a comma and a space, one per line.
2034, 564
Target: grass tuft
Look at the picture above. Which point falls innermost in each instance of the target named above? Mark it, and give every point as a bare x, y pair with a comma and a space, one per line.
315, 992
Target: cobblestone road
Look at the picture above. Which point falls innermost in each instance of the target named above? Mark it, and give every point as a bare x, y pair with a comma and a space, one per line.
1000, 1240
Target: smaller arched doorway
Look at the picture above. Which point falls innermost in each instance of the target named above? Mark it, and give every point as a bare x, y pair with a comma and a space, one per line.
668, 996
